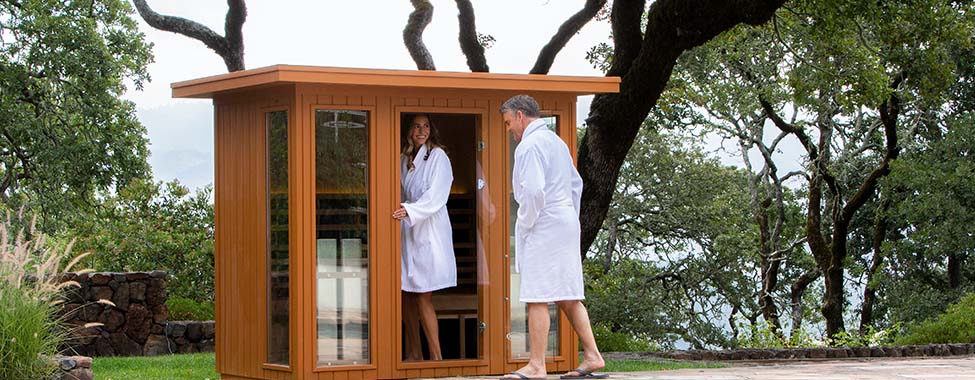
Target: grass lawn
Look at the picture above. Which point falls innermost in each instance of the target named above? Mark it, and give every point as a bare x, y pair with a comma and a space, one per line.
661, 365
201, 367
169, 367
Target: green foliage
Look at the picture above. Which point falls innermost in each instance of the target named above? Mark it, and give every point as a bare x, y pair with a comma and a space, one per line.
65, 133
155, 226
654, 365
673, 257
167, 367
873, 337
761, 335
614, 341
30, 272
185, 309
956, 325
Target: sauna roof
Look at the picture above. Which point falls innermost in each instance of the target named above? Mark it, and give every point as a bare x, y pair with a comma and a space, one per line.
288, 74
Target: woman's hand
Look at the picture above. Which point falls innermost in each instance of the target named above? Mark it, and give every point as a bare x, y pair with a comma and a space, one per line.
400, 213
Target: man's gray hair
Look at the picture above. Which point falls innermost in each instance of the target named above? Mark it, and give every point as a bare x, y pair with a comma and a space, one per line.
524, 103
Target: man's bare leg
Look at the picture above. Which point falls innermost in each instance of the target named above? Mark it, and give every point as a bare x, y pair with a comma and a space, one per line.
538, 326
578, 316
429, 318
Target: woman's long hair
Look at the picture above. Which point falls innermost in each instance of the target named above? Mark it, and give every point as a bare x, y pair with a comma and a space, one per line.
433, 141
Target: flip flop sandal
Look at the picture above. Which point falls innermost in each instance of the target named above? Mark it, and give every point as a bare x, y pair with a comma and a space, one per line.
583, 374
521, 376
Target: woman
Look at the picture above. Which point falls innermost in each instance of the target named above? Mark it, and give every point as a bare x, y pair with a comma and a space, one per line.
428, 250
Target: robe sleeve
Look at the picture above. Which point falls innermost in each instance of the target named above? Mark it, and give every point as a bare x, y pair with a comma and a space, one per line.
576, 190
531, 184
435, 197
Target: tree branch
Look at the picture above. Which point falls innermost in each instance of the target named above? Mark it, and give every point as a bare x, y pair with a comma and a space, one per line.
673, 27
568, 29
230, 49
413, 34
468, 38
889, 111
627, 37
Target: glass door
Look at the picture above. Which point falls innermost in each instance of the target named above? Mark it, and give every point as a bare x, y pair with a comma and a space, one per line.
457, 309
342, 237
517, 335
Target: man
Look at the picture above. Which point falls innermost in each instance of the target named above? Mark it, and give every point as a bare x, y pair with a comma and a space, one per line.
548, 189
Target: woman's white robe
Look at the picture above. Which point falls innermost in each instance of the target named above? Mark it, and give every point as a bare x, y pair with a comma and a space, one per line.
428, 250
548, 190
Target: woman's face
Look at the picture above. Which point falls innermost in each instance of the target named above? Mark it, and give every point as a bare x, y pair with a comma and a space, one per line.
420, 130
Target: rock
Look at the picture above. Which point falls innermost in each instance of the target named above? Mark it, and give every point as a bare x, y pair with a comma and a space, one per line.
157, 274
175, 329
121, 296
137, 291
125, 346
206, 345
188, 348
156, 292
194, 332
83, 361
160, 313
103, 346
79, 374
817, 353
90, 312
863, 352
137, 323
136, 276
112, 319
156, 345
157, 329
894, 352
67, 363
958, 349
100, 278
209, 330
877, 352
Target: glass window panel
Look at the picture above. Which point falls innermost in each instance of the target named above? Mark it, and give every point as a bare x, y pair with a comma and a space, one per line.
518, 336
342, 236
276, 150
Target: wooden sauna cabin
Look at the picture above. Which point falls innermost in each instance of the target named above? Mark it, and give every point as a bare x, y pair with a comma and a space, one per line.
307, 252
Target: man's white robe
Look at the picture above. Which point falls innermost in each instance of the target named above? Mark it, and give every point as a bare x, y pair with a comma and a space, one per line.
428, 250
548, 190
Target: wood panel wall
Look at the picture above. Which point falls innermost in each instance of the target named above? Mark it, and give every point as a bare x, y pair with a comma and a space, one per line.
240, 210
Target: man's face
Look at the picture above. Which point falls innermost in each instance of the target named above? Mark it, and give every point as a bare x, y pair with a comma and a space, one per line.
514, 122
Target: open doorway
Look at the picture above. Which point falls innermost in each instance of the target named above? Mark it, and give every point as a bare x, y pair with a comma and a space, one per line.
457, 308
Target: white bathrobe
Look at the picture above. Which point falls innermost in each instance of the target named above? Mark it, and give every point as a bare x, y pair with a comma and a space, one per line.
548, 190
428, 249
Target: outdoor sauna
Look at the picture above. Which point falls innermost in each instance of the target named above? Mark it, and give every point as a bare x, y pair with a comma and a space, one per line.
307, 253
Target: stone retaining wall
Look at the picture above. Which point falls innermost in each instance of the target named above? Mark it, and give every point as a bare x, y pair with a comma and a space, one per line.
190, 336
131, 323
802, 353
73, 368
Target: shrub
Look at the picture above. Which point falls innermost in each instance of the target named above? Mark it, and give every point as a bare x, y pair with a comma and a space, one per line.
29, 293
956, 325
616, 341
185, 309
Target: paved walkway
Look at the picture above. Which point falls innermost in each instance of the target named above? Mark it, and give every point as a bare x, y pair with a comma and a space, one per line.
933, 368
908, 368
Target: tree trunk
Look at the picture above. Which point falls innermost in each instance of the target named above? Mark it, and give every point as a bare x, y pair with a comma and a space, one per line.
870, 291
798, 289
674, 26
954, 271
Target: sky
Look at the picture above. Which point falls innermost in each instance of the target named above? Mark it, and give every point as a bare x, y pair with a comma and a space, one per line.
363, 33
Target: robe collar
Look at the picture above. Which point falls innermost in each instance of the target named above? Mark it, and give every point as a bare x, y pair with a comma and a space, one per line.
420, 153
534, 126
